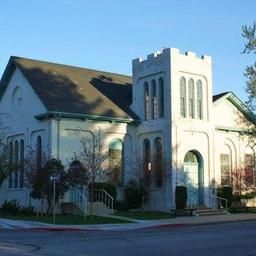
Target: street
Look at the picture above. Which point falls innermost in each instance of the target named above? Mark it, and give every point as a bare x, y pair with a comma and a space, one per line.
219, 239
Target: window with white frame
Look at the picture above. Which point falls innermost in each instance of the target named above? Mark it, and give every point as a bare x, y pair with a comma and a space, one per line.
161, 97
183, 98
199, 88
191, 98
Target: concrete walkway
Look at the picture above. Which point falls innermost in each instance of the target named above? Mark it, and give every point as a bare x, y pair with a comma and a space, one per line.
139, 224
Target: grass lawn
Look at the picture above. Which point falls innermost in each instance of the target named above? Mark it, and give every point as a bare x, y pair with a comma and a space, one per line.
242, 210
146, 215
68, 219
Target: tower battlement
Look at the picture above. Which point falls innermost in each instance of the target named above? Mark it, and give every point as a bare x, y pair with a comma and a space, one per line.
162, 56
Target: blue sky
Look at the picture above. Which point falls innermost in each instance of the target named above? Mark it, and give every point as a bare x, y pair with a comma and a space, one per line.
108, 34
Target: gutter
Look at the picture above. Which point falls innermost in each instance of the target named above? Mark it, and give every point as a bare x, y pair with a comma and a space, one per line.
55, 114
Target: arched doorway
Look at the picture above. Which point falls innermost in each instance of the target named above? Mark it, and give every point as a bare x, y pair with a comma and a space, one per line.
194, 177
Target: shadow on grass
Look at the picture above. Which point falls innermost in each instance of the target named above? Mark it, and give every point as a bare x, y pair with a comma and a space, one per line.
68, 219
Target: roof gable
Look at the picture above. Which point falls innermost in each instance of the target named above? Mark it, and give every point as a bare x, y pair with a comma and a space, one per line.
237, 103
69, 89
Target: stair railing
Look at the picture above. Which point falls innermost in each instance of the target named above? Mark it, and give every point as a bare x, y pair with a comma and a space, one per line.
101, 195
80, 198
218, 202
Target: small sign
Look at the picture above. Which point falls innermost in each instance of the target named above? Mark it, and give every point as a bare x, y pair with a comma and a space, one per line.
55, 178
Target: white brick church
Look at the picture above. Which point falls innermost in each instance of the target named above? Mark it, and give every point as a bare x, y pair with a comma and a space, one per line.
164, 118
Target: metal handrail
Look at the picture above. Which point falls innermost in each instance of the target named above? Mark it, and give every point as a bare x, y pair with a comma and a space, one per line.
104, 197
218, 204
81, 201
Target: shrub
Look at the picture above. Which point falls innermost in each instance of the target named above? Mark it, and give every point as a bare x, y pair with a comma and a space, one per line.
29, 210
121, 205
133, 194
109, 188
10, 207
181, 197
227, 193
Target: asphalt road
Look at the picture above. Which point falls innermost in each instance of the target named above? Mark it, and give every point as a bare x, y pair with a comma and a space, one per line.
219, 239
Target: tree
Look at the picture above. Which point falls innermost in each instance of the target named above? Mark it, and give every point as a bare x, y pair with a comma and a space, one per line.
6, 166
93, 166
249, 33
242, 182
89, 166
40, 179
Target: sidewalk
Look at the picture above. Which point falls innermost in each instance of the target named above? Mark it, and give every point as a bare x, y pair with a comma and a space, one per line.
139, 224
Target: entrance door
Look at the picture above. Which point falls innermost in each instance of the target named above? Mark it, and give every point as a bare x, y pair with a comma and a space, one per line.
193, 178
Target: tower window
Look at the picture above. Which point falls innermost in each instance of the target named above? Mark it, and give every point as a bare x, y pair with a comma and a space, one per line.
183, 97
199, 88
153, 100
146, 101
191, 98
161, 97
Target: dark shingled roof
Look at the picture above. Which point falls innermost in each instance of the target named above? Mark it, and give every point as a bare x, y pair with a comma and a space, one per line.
218, 96
76, 90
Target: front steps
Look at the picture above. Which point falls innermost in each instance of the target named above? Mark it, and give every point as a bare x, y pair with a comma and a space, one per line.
209, 211
98, 208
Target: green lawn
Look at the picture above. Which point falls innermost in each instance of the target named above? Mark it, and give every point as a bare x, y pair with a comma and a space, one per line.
146, 215
68, 219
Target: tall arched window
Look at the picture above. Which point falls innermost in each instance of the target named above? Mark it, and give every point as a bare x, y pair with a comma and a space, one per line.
249, 165
115, 153
10, 156
153, 100
199, 88
161, 97
191, 98
38, 152
147, 162
225, 165
21, 181
16, 164
183, 100
146, 101
158, 165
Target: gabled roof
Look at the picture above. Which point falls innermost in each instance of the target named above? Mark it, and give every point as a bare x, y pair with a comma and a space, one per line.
237, 103
75, 90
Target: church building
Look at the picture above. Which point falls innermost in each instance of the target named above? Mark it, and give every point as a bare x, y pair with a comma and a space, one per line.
162, 125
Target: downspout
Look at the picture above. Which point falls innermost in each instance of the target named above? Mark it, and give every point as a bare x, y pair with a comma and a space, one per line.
58, 137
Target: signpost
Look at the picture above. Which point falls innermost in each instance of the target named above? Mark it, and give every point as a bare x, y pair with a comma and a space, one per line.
54, 178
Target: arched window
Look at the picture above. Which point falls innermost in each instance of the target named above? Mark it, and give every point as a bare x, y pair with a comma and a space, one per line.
158, 165
16, 164
153, 100
146, 100
199, 88
147, 162
115, 154
38, 152
161, 97
191, 98
21, 181
183, 100
10, 156
249, 165
225, 165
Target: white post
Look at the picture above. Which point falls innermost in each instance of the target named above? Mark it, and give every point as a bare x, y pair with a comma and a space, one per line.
54, 213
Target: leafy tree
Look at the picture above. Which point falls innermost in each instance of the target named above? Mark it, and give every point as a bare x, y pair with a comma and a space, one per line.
249, 33
5, 166
39, 180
